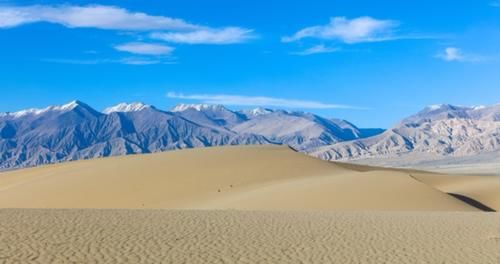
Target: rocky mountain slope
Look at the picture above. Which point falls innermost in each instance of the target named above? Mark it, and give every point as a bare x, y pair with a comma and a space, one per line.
300, 130
439, 131
76, 131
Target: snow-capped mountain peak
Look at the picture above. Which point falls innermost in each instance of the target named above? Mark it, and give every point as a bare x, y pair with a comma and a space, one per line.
436, 132
38, 111
69, 106
197, 107
479, 107
260, 111
124, 107
444, 107
255, 112
434, 107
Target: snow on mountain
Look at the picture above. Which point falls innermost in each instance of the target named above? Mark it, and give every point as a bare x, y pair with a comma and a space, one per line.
197, 107
479, 107
438, 112
124, 107
435, 132
76, 131
446, 111
36, 111
256, 112
486, 113
210, 115
299, 130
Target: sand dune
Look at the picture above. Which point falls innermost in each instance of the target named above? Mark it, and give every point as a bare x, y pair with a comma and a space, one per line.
249, 177
376, 190
484, 189
292, 208
169, 236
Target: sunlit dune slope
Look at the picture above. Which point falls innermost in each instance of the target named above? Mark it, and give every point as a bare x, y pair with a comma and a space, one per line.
484, 189
237, 177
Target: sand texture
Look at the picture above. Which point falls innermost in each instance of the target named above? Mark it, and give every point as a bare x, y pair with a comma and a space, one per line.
169, 236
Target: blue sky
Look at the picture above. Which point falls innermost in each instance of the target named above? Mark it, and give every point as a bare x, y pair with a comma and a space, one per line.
370, 62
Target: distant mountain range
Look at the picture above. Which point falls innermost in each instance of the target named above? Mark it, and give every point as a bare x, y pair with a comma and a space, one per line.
76, 131
437, 134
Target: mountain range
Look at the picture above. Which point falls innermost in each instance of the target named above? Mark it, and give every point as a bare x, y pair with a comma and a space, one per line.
77, 131
438, 133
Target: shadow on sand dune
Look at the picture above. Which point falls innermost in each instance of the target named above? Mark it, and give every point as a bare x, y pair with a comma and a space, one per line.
472, 202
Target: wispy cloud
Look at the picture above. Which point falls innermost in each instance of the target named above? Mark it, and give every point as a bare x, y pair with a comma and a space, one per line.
241, 100
316, 50
145, 48
93, 16
173, 30
361, 29
228, 35
455, 54
126, 60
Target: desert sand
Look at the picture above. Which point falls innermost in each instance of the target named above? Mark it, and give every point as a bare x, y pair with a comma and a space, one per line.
244, 204
248, 177
169, 236
484, 189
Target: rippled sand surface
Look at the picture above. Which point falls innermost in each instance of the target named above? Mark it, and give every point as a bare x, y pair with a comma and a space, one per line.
169, 236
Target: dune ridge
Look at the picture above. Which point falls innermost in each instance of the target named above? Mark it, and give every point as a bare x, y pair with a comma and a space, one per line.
485, 189
237, 177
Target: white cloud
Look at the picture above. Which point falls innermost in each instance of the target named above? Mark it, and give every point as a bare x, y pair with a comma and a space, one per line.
495, 3
145, 48
93, 16
316, 50
241, 100
120, 19
228, 35
127, 61
452, 54
361, 29
456, 54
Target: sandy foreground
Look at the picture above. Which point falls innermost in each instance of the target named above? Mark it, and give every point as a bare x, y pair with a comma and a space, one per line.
170, 236
251, 204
